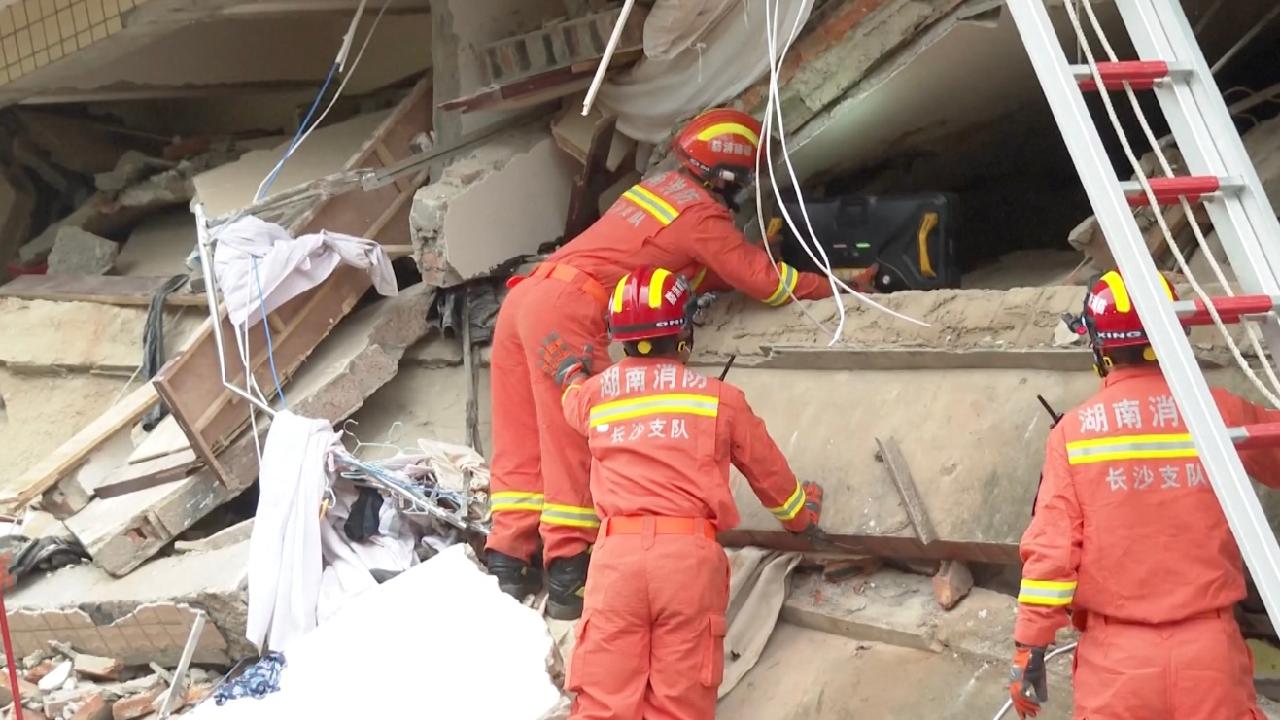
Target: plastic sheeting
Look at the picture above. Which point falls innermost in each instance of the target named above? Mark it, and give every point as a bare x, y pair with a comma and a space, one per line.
284, 550
653, 96
286, 267
673, 25
438, 641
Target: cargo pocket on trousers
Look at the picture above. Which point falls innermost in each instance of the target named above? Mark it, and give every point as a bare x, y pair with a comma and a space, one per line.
573, 678
713, 651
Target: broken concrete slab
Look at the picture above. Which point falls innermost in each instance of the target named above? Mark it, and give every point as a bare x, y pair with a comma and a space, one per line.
78, 252
830, 677
523, 171
57, 337
143, 617
235, 534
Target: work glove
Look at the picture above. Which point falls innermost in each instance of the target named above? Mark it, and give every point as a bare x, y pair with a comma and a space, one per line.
1028, 685
560, 362
806, 522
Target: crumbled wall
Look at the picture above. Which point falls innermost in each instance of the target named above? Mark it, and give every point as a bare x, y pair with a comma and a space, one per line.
504, 200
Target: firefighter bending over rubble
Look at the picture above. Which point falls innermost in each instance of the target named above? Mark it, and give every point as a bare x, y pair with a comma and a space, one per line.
661, 437
1129, 535
678, 219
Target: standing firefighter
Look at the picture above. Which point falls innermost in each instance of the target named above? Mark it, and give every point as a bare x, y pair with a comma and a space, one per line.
651, 640
678, 219
1128, 534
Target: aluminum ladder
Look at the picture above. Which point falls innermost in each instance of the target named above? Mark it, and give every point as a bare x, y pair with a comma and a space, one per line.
1224, 179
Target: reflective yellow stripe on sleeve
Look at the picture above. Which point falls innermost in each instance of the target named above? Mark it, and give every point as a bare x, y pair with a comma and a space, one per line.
1053, 593
792, 507
648, 201
565, 394
570, 516
787, 280
515, 502
643, 405
1131, 447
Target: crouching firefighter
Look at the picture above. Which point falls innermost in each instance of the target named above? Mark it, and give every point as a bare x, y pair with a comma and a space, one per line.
678, 219
1128, 536
651, 639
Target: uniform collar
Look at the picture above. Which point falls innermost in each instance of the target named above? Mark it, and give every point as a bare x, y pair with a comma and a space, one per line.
1120, 374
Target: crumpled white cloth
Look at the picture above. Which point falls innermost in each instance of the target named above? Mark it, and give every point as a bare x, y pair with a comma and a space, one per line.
674, 25
284, 550
656, 94
347, 563
286, 266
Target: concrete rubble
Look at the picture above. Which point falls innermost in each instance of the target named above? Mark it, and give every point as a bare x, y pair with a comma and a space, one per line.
464, 154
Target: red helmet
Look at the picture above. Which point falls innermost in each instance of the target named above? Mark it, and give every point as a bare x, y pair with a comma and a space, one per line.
1109, 315
720, 146
650, 303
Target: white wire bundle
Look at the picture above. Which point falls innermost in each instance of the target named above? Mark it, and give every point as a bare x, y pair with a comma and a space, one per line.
773, 111
1271, 393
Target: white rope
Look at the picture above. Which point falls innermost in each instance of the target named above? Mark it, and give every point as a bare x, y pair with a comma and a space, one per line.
1202, 242
773, 109
1272, 397
349, 74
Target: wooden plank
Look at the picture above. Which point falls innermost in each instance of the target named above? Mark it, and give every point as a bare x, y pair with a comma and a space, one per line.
210, 414
900, 472
45, 474
132, 478
106, 289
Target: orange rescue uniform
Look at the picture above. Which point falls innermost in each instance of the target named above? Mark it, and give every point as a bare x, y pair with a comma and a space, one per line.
662, 436
540, 466
1128, 533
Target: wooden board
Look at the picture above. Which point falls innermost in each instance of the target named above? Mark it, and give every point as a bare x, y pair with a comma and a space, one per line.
132, 478
210, 414
900, 473
106, 289
45, 474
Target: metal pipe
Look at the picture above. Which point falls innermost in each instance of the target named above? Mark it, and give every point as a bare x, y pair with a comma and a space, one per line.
1257, 28
598, 80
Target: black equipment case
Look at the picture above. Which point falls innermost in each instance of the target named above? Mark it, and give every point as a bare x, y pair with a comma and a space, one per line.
911, 236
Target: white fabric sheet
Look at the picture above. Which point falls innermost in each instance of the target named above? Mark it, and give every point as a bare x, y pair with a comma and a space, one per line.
437, 641
347, 563
653, 96
286, 267
284, 550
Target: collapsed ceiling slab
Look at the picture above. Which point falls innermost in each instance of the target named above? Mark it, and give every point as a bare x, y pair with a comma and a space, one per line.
109, 49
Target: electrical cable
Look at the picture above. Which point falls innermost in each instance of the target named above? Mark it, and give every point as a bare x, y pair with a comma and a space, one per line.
153, 344
270, 179
1272, 397
773, 109
1057, 651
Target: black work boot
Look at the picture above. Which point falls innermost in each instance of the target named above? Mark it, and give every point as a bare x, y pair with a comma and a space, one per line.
516, 577
566, 584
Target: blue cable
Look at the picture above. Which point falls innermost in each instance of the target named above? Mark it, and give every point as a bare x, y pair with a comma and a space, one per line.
266, 328
302, 128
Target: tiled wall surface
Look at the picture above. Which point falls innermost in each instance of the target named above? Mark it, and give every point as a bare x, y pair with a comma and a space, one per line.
34, 33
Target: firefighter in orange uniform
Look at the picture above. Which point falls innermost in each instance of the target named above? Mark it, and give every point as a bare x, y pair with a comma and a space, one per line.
1128, 534
651, 640
678, 219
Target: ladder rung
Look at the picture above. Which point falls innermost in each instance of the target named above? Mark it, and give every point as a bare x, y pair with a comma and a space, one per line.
1253, 437
1139, 74
1168, 190
1230, 309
